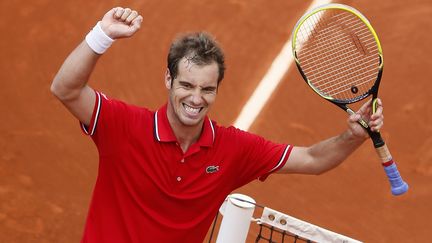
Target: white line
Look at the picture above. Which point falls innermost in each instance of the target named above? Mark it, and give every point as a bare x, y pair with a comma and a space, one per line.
270, 81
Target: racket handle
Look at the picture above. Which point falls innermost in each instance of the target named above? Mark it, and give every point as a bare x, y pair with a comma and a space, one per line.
398, 185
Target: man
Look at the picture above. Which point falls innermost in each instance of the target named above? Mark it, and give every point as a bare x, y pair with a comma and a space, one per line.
163, 174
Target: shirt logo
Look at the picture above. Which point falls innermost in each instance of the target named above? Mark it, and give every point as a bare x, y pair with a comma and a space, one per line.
212, 169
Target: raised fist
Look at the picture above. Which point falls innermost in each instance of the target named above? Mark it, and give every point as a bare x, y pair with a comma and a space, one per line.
121, 22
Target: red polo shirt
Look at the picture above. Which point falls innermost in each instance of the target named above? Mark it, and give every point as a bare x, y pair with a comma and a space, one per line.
148, 190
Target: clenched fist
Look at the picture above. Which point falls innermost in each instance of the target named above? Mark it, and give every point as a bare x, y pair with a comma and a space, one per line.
121, 22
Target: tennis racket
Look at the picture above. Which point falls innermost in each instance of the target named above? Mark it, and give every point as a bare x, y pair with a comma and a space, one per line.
340, 57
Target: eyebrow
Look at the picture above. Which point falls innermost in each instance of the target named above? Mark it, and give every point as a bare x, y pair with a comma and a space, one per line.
210, 88
187, 83
182, 82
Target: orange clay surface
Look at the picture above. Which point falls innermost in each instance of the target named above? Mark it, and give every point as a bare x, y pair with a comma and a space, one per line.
48, 168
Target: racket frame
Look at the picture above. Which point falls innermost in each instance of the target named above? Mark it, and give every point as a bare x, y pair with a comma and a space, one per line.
375, 136
398, 185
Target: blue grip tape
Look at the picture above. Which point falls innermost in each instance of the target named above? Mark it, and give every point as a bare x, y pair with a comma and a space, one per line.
398, 186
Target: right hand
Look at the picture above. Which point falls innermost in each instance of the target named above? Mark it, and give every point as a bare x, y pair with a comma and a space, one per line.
121, 22
374, 120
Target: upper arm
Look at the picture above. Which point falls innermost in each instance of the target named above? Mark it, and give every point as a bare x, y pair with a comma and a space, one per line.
82, 105
300, 161
70, 83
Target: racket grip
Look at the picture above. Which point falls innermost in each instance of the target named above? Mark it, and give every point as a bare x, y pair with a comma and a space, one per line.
398, 185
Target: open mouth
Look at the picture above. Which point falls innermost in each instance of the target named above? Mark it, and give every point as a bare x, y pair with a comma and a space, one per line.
191, 110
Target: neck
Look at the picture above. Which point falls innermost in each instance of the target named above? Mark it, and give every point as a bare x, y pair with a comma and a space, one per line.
186, 135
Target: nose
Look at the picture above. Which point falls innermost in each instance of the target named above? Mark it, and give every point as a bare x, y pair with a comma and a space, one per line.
196, 97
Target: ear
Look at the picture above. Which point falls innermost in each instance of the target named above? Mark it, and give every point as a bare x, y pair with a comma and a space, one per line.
168, 79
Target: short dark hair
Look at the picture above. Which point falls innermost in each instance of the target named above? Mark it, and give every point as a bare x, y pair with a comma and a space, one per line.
200, 48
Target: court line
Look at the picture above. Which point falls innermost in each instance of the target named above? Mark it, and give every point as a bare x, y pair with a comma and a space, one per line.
280, 66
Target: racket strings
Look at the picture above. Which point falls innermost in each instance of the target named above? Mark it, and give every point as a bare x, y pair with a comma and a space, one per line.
338, 54
310, 30
344, 51
340, 67
329, 68
328, 33
325, 72
362, 77
309, 54
362, 82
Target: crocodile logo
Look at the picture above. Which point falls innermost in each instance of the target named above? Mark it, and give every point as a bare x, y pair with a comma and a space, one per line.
212, 169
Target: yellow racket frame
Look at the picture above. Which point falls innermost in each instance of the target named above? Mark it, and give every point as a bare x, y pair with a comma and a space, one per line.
329, 7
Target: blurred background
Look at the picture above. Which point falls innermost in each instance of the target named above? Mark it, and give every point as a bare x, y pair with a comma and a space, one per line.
48, 167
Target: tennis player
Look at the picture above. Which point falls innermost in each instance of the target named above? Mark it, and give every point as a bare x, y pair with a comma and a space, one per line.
163, 174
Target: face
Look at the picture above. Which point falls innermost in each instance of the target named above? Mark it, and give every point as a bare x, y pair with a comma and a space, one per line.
192, 92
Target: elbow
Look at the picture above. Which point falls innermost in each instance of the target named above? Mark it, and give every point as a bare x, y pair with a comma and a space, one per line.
54, 89
60, 91
319, 172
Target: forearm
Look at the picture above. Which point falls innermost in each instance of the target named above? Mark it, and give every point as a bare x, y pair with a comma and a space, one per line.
74, 73
329, 153
70, 83
322, 156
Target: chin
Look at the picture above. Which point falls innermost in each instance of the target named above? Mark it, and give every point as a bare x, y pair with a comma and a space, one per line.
187, 120
191, 122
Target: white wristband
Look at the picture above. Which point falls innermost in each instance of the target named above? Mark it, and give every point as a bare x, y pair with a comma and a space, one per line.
97, 40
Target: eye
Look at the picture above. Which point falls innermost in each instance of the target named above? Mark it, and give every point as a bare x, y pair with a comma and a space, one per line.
209, 89
186, 85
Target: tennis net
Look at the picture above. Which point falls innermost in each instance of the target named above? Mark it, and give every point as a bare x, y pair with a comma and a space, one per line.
271, 225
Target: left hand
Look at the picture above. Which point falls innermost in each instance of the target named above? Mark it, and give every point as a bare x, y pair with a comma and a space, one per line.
121, 22
374, 120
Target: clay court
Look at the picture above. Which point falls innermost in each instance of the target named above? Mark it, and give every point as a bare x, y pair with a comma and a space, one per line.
48, 167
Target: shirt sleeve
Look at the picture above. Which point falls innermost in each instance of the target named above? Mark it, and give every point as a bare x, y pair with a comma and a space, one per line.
91, 128
259, 157
110, 121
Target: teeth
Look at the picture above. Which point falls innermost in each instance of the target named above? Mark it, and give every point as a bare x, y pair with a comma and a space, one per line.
191, 110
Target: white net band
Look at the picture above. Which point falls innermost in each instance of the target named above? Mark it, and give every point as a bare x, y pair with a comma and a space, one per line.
301, 228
